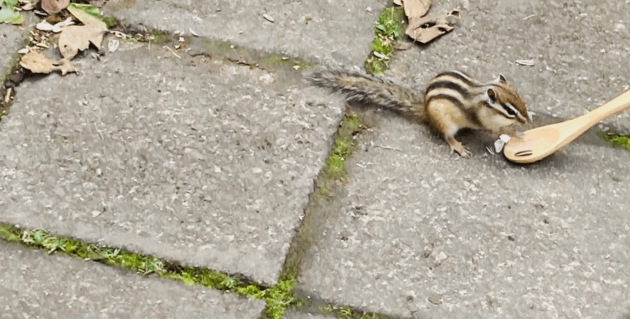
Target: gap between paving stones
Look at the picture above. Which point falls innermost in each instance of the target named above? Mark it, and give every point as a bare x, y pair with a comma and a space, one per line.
7, 70
388, 30
275, 297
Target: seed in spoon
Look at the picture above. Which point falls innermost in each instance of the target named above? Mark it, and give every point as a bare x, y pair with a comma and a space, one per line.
524, 153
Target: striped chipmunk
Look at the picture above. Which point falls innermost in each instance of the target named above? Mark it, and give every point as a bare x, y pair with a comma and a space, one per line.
452, 101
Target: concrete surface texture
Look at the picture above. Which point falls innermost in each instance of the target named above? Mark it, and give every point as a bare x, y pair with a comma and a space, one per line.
210, 165
418, 232
483, 238
325, 30
11, 39
38, 285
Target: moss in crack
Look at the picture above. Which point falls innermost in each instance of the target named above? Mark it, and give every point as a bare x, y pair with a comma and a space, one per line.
159, 37
343, 144
15, 58
617, 139
275, 60
277, 297
387, 30
349, 313
13, 67
334, 171
225, 47
110, 21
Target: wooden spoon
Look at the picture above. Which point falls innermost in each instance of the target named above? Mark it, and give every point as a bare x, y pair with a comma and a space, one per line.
541, 142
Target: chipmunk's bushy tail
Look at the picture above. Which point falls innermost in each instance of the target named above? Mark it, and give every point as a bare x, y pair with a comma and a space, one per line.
358, 87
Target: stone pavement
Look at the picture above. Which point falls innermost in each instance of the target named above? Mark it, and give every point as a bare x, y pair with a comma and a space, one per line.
38, 285
208, 160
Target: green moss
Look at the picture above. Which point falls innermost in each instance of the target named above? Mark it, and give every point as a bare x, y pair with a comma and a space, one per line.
387, 30
222, 46
343, 144
9, 233
110, 21
277, 297
282, 61
374, 65
348, 313
617, 139
158, 37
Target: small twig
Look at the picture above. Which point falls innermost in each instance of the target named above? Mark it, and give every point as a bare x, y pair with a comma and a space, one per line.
172, 51
388, 148
529, 16
365, 165
7, 98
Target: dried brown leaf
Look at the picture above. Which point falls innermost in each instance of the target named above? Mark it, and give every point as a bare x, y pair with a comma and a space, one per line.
416, 8
54, 6
75, 38
428, 28
38, 63
65, 66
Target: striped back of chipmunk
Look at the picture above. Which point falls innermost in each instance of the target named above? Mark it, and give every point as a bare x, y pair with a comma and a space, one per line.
465, 92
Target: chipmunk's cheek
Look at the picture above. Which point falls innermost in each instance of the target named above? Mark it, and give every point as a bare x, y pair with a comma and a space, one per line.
499, 121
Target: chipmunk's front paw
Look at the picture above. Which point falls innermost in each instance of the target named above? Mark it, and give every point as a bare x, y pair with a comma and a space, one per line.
461, 150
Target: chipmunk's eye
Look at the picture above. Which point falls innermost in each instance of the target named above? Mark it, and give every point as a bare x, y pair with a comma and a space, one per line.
509, 109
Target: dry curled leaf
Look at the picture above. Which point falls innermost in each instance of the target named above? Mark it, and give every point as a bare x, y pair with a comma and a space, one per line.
428, 28
54, 6
78, 38
416, 8
38, 63
65, 66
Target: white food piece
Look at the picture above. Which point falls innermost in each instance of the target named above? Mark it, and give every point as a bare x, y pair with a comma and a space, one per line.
268, 17
525, 62
44, 26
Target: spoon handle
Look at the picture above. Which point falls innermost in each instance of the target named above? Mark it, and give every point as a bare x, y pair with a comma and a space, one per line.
614, 106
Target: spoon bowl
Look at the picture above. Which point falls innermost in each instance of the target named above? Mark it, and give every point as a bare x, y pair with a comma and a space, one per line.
543, 141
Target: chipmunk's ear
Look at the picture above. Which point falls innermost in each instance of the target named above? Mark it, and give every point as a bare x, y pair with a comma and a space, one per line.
501, 79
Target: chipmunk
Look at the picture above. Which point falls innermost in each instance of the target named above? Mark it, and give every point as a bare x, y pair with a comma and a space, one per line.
452, 101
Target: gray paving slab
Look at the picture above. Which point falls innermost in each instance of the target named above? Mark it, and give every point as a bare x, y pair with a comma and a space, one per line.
38, 285
325, 30
486, 238
301, 315
202, 161
11, 38
418, 232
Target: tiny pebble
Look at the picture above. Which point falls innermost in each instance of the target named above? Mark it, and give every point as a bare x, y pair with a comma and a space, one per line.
435, 299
